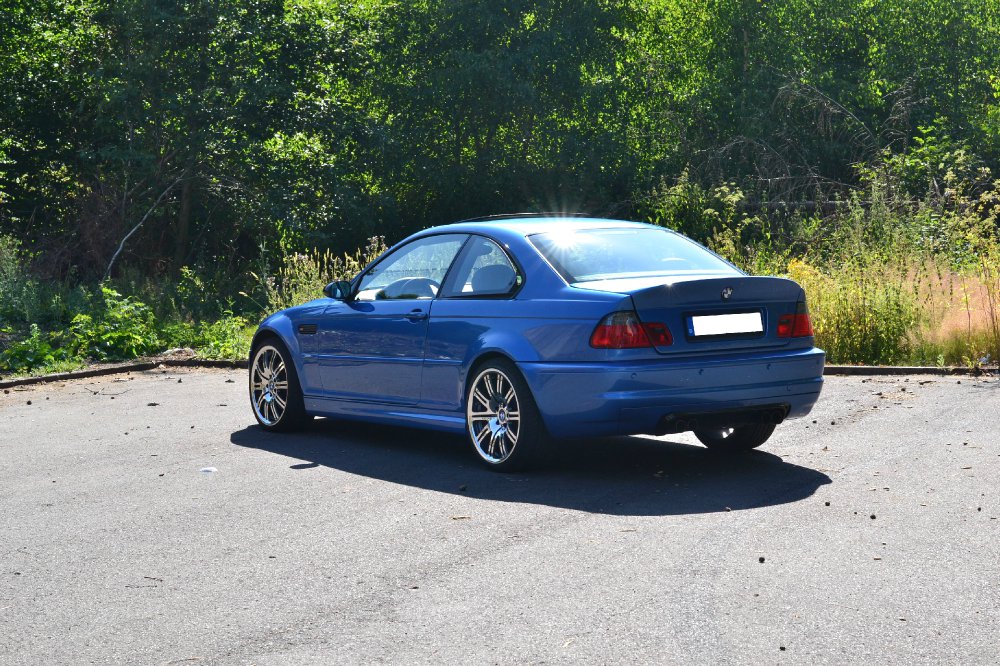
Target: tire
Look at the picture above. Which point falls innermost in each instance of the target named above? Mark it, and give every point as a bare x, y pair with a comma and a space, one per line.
504, 426
735, 440
275, 391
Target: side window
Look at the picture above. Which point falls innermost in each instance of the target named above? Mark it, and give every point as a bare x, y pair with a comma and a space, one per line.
483, 270
414, 271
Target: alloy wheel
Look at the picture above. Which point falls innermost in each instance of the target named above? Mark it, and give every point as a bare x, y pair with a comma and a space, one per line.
493, 415
269, 385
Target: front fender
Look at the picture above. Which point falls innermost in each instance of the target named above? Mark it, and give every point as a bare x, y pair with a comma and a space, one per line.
279, 325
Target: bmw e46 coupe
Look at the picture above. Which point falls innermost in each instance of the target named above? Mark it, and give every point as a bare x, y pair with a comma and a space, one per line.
523, 331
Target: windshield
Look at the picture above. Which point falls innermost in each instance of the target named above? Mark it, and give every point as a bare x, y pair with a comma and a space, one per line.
584, 255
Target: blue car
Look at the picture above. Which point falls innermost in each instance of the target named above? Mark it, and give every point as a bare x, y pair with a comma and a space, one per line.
521, 331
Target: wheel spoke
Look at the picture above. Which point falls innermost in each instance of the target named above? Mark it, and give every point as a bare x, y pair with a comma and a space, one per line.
482, 398
499, 445
278, 399
502, 442
512, 435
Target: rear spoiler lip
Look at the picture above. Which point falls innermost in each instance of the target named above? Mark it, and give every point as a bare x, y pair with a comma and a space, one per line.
783, 289
651, 282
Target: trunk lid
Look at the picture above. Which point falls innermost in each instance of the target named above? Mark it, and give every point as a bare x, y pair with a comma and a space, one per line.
712, 313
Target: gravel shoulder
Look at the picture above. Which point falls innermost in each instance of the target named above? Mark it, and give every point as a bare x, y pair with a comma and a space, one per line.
146, 520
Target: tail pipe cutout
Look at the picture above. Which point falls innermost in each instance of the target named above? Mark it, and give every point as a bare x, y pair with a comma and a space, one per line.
675, 423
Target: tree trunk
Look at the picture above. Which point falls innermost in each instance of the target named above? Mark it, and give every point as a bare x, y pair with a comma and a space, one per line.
183, 228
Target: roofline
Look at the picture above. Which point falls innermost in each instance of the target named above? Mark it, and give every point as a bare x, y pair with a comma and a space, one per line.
526, 226
515, 216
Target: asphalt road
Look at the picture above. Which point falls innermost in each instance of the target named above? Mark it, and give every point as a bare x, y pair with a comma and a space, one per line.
867, 535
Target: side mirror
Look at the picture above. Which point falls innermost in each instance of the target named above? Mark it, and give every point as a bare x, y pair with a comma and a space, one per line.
339, 290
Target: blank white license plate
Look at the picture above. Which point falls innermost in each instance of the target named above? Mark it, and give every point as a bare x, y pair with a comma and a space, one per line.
727, 324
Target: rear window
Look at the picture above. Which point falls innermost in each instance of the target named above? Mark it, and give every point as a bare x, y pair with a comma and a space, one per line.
584, 255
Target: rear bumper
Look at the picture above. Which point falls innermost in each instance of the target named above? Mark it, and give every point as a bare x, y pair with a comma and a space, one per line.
629, 398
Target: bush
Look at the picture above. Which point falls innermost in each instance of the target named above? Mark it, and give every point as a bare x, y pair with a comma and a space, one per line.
227, 338
37, 350
703, 214
121, 328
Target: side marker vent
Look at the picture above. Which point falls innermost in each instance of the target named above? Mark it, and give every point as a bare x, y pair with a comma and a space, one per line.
307, 329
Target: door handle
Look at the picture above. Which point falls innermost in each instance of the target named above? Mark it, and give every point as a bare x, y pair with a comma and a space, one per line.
416, 315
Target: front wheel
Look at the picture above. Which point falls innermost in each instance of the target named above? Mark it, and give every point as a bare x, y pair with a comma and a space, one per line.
734, 440
502, 420
275, 392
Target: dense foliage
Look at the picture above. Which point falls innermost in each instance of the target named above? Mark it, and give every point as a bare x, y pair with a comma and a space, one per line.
234, 128
180, 148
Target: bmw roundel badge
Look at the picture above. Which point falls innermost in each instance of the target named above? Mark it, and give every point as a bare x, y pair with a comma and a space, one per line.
726, 293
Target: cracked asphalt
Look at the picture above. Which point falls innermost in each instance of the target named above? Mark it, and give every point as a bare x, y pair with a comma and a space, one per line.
145, 519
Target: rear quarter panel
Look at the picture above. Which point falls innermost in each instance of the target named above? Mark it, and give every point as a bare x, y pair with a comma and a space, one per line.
527, 329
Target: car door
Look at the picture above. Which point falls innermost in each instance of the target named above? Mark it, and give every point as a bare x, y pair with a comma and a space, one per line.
371, 347
475, 298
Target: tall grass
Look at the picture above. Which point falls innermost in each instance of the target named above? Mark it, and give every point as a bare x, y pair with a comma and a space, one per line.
303, 275
990, 277
863, 312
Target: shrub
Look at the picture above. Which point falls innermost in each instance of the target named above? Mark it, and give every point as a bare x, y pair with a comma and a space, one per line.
226, 338
702, 213
121, 328
37, 350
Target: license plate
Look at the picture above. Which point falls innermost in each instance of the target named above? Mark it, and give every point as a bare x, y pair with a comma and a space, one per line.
726, 324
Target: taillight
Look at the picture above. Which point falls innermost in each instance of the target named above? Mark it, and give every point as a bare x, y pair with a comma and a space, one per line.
623, 330
796, 325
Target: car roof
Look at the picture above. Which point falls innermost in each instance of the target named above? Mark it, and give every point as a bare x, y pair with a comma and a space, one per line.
525, 226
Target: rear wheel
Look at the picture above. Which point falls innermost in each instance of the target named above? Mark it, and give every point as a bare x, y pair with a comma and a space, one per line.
734, 440
275, 392
502, 420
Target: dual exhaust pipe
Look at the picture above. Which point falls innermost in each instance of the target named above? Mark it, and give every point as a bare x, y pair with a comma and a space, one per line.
684, 422
774, 416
